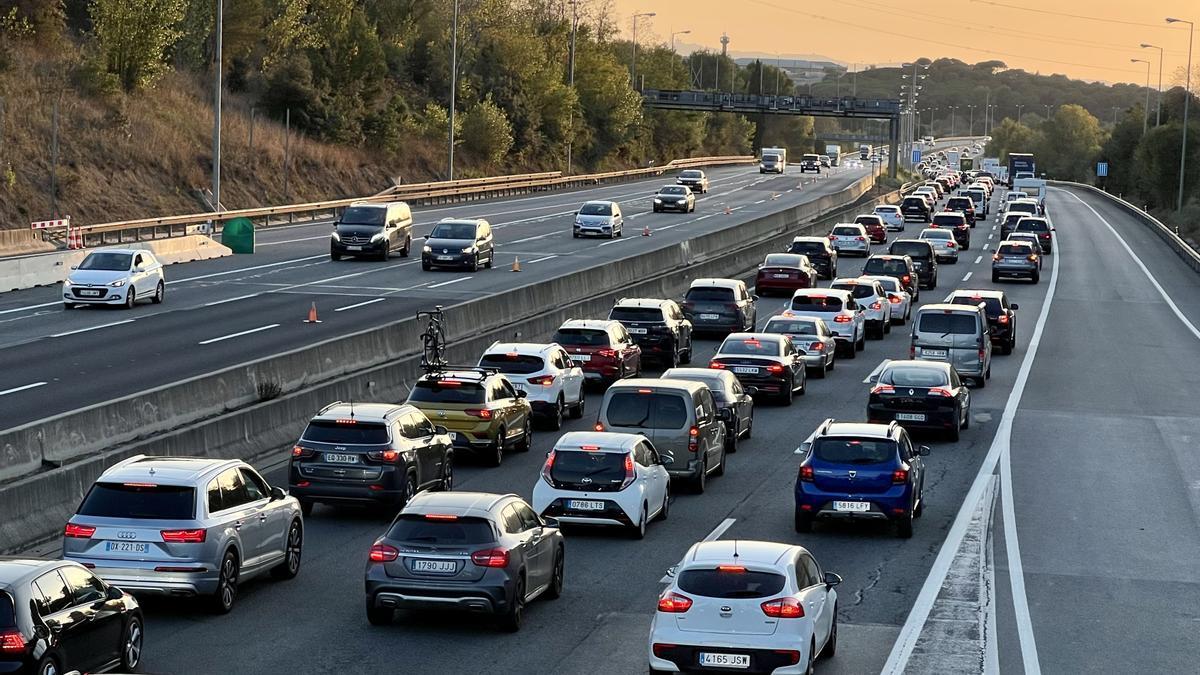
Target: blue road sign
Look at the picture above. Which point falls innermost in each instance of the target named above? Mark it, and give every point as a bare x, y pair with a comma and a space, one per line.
916, 156
1101, 169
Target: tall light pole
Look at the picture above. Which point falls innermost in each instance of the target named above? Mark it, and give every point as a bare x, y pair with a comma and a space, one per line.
1019, 106
971, 126
1187, 97
633, 66
953, 113
1115, 108
453, 89
1158, 99
678, 32
1047, 106
571, 78
216, 151
1146, 112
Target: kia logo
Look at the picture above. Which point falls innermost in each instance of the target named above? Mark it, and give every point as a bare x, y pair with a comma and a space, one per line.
126, 534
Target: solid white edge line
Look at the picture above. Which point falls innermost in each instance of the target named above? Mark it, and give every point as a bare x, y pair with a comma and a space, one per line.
84, 330
233, 335
905, 642
360, 304
14, 390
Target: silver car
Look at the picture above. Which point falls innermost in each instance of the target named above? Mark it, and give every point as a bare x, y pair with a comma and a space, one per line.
877, 311
850, 238
942, 240
1016, 259
599, 219
897, 296
956, 334
811, 337
181, 526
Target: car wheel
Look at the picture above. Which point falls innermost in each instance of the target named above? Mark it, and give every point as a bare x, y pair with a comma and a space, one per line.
474, 266
995, 278
306, 507
1036, 277
966, 418
981, 381
686, 357
526, 441
720, 470
887, 326
160, 292
819, 373
638, 531
386, 255
904, 526
862, 342
673, 359
226, 594
731, 439
130, 297
554, 591
410, 491
955, 433
446, 483
577, 412
68, 306
47, 666
803, 382
378, 616
920, 510
498, 448
785, 398
335, 256
290, 567
425, 267
511, 620
131, 646
555, 419
407, 247
701, 481
803, 522
666, 505
830, 649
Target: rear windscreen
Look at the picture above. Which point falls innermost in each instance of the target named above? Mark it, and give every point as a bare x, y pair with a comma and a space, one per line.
791, 327
647, 411
948, 220
8, 618
751, 347
911, 249
636, 314
859, 291
1013, 249
812, 303
418, 529
991, 305
885, 267
581, 337
854, 451
782, 260
513, 364
960, 203
1022, 207
941, 323
441, 391
735, 584
572, 466
710, 294
847, 231
346, 433
1032, 225
908, 376
914, 201
159, 502
807, 248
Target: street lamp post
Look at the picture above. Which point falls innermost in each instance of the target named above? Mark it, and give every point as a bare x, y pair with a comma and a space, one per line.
971, 126
1158, 99
1187, 97
571, 78
1019, 106
453, 91
678, 32
633, 66
1146, 112
953, 119
216, 151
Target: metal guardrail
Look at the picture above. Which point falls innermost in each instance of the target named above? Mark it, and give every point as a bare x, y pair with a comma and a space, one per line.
420, 193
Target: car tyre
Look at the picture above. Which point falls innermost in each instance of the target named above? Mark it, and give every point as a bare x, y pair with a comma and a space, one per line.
290, 567
995, 278
803, 522
904, 526
554, 420
554, 591
1037, 277
425, 266
446, 483
720, 470
407, 247
335, 257
803, 383
666, 505
223, 599
474, 266
131, 645
955, 433
862, 342
68, 306
306, 507
638, 531
577, 411
673, 359
526, 441
160, 292
786, 397
410, 491
47, 666
498, 456
731, 441
490, 261
819, 373
510, 621
966, 418
379, 616
700, 482
830, 649
130, 297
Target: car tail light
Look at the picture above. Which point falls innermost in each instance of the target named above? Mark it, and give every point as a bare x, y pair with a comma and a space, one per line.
783, 608
940, 391
301, 451
674, 603
860, 239
303, 484
492, 557
841, 318
481, 413
630, 473
806, 474
950, 244
775, 369
716, 365
79, 531
900, 476
548, 466
12, 642
693, 439
906, 279
1003, 318
383, 553
193, 536
995, 256
606, 352
1044, 235
876, 305
982, 354
544, 380
662, 649
384, 455
1032, 258
440, 516
833, 237
895, 299
912, 352
817, 346
883, 389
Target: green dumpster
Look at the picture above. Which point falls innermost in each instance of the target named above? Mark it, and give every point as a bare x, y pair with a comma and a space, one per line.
238, 235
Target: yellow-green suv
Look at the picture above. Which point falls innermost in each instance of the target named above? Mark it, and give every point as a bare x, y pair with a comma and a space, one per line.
480, 408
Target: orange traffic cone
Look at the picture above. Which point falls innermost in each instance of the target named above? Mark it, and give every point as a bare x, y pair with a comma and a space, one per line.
516, 267
774, 195
728, 210
74, 238
645, 230
312, 314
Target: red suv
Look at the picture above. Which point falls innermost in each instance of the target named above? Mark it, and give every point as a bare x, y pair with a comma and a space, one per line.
603, 349
876, 229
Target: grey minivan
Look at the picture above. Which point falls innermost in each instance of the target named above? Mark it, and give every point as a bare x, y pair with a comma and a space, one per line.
680, 418
957, 334
372, 229
459, 243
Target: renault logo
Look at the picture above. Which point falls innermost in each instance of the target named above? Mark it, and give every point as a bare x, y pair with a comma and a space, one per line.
126, 534
852, 473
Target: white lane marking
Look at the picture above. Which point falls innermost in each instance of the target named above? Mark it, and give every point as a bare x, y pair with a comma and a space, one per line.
712, 536
240, 297
667, 227
522, 241
447, 283
968, 276
1154, 282
14, 390
991, 236
544, 258
985, 246
978, 259
233, 335
760, 201
915, 623
360, 304
84, 330
29, 307
615, 241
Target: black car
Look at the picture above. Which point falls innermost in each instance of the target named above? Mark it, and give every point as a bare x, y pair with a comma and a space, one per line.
821, 254
1042, 228
1010, 221
1001, 315
57, 616
923, 257
769, 362
459, 243
720, 306
920, 394
958, 225
899, 266
915, 208
658, 326
369, 453
372, 229
965, 206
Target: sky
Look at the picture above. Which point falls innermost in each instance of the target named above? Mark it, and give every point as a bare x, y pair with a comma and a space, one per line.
1051, 36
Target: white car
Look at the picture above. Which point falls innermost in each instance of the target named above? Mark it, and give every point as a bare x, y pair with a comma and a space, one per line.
928, 192
850, 237
942, 240
551, 380
115, 276
898, 298
842, 314
811, 337
892, 218
599, 218
1013, 195
870, 296
742, 605
600, 478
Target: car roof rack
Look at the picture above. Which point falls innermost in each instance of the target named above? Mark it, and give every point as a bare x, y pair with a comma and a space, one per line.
453, 371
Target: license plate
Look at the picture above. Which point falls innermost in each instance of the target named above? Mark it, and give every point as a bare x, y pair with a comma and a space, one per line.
582, 358
745, 370
353, 248
910, 417
934, 353
88, 294
584, 505
780, 276
445, 257
439, 566
855, 507
725, 660
341, 459
638, 331
125, 547
710, 317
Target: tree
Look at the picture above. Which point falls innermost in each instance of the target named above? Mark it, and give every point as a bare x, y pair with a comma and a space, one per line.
486, 132
1008, 137
1119, 151
1158, 165
1070, 144
134, 36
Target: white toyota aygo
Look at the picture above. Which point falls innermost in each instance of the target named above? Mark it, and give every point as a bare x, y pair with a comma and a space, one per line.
749, 606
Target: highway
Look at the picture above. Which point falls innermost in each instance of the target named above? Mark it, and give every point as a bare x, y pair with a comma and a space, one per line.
237, 309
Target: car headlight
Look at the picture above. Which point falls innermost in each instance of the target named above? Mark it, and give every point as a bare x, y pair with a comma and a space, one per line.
469, 250
426, 249
118, 283
377, 238
579, 223
657, 200
335, 236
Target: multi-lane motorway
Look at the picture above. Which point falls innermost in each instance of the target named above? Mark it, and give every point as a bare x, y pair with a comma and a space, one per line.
1090, 426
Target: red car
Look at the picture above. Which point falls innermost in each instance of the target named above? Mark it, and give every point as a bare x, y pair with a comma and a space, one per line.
603, 349
785, 272
876, 229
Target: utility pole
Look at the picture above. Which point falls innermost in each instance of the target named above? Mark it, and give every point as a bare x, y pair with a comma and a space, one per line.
287, 151
216, 151
1187, 99
54, 161
453, 90
571, 79
1019, 106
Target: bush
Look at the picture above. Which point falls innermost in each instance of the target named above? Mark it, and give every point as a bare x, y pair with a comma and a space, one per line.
486, 132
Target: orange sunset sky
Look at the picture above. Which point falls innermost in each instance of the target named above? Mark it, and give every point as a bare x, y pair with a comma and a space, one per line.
1034, 36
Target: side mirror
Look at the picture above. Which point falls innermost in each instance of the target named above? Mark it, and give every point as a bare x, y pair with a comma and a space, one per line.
277, 494
440, 429
750, 391
923, 450
550, 521
872, 379
832, 579
725, 415
521, 393
426, 237
114, 593
664, 456
1052, 229
672, 571
74, 267
1014, 306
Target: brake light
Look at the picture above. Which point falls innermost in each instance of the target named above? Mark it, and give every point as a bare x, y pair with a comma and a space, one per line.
674, 603
783, 608
995, 256
775, 369
1003, 318
841, 318
940, 391
383, 553
481, 413
895, 299
806, 474
598, 427
492, 557
833, 237
817, 346
883, 389
192, 536
876, 305
982, 354
912, 352
297, 451
950, 244
630, 474
716, 365
860, 239
11, 641
79, 531
1044, 235
693, 439
440, 516
900, 476
906, 278
347, 421
544, 380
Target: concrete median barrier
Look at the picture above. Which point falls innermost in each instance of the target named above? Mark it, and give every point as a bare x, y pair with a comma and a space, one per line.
21, 242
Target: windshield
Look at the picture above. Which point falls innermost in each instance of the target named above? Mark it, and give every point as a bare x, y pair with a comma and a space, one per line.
581, 337
443, 531
770, 158
909, 376
690, 174
811, 158
960, 203
646, 411
345, 432
673, 191
453, 231
600, 468
730, 584
854, 451
749, 347
447, 391
109, 262
595, 210
791, 327
513, 364
154, 502
363, 215
942, 323
914, 201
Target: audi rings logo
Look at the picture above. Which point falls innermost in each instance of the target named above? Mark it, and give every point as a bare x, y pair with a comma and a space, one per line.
126, 534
